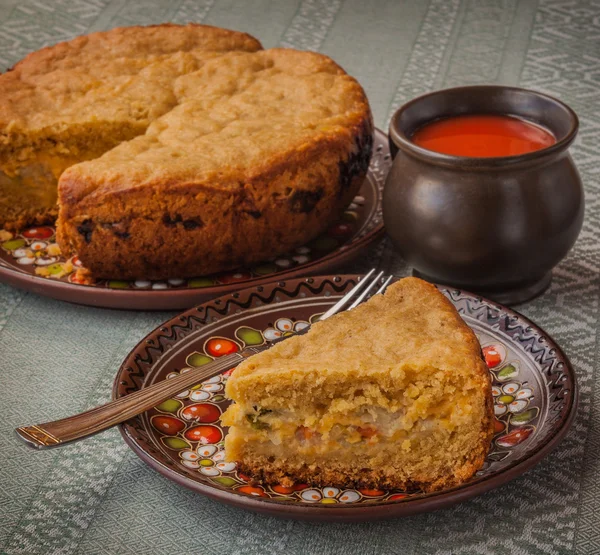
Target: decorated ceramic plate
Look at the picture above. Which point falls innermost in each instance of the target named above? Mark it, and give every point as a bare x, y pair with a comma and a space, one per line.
32, 259
534, 388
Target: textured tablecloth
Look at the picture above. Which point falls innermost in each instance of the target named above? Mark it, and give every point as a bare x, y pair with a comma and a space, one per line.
55, 358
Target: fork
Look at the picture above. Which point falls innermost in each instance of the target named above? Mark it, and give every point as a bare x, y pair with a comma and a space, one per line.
98, 419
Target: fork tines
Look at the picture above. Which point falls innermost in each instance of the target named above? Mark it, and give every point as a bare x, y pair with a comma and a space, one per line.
362, 289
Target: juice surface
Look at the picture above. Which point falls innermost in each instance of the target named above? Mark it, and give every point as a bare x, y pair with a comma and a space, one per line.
482, 136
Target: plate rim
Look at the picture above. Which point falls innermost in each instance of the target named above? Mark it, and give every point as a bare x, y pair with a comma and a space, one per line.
178, 299
362, 512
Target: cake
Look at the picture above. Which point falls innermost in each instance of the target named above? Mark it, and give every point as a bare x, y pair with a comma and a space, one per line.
393, 394
179, 150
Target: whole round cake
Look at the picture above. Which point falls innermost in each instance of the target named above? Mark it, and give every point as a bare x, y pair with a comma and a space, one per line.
175, 151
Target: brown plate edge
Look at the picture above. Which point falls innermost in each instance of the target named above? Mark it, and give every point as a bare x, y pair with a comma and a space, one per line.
383, 509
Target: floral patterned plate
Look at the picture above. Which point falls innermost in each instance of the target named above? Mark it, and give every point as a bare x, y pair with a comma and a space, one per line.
32, 260
534, 388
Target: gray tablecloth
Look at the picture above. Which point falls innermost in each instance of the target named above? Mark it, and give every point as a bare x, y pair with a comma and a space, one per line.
56, 358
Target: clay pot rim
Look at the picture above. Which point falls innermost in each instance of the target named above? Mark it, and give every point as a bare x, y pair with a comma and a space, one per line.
403, 142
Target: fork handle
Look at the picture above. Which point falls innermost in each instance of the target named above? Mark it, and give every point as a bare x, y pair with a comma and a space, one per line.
79, 426
98, 419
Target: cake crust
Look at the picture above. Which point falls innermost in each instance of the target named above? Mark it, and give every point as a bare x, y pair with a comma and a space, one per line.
99, 75
263, 471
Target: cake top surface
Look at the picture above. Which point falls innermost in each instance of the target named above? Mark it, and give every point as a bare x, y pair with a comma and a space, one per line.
411, 325
238, 115
125, 74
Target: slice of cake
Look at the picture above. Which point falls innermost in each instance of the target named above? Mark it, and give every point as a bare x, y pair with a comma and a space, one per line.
393, 394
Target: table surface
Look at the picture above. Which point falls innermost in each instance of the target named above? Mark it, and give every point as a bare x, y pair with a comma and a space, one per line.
56, 358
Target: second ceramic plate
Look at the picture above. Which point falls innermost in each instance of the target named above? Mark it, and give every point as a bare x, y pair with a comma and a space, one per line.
534, 388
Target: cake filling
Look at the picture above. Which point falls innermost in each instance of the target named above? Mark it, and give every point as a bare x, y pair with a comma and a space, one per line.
29, 172
419, 411
28, 197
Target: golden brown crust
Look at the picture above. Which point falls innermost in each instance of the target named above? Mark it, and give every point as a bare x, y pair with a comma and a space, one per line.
68, 82
78, 99
443, 337
120, 38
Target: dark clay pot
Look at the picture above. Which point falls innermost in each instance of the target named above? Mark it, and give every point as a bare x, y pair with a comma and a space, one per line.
496, 226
